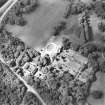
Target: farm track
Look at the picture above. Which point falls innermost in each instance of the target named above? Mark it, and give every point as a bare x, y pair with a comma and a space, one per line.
30, 88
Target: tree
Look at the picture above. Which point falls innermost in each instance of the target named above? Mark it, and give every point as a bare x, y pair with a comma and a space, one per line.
99, 8
31, 99
12, 63
21, 21
102, 66
2, 2
101, 26
97, 94
66, 43
88, 49
28, 6
59, 28
45, 61
68, 11
77, 8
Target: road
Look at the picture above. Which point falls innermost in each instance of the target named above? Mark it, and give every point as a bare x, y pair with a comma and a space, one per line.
6, 7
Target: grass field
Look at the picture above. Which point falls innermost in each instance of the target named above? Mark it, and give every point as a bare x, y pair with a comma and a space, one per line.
40, 23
